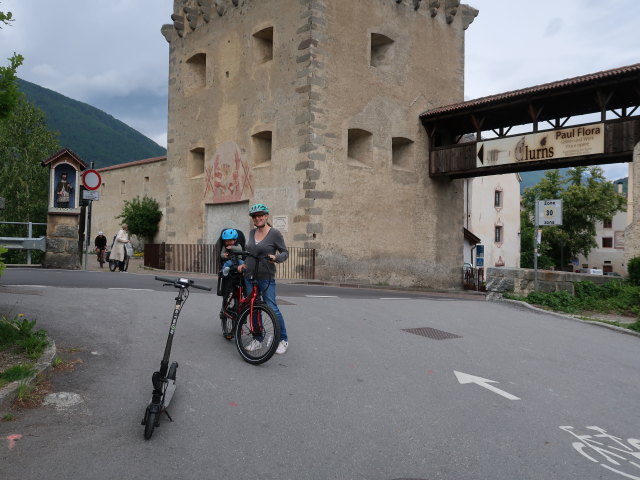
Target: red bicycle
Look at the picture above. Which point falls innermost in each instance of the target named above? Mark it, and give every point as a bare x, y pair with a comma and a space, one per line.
246, 317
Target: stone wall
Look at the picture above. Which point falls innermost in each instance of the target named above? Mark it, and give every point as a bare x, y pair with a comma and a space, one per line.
632, 232
521, 281
63, 250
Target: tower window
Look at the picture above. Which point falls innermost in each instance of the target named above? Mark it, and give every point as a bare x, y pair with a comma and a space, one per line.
359, 147
196, 162
262, 145
196, 72
381, 50
401, 149
497, 199
498, 234
263, 43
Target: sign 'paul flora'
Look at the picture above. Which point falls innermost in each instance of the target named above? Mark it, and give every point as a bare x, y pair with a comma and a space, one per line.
568, 142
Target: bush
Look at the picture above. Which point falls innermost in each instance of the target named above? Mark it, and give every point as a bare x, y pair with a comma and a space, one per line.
562, 301
2, 265
633, 268
20, 332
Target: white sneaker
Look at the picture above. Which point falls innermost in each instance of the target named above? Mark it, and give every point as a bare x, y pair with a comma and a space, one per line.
253, 345
284, 344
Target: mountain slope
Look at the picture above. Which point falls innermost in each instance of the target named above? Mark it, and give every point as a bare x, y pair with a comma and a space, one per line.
91, 133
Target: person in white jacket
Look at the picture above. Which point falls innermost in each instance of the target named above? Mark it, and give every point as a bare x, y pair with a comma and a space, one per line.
118, 251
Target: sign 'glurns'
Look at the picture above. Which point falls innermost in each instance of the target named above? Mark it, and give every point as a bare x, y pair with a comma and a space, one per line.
311, 107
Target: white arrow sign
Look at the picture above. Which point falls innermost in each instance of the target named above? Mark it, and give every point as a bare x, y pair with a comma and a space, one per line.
483, 382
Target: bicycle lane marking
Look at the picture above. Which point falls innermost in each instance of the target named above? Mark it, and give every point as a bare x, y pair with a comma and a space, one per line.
614, 455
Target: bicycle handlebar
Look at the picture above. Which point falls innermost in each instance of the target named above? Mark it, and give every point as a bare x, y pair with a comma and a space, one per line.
182, 283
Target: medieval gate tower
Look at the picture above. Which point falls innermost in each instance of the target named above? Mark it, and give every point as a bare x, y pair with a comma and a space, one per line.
311, 107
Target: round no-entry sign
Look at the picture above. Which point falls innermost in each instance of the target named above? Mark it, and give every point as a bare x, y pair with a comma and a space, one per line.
91, 179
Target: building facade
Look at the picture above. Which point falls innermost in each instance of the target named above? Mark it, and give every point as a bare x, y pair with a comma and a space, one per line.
492, 213
311, 107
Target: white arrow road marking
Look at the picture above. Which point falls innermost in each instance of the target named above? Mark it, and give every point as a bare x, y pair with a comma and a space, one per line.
483, 382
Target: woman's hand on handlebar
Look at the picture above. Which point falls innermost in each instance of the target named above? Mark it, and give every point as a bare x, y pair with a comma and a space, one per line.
241, 268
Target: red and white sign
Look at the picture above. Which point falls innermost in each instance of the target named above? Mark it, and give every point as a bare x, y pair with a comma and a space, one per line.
91, 180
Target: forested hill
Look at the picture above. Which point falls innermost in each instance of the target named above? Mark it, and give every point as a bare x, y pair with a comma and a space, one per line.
91, 133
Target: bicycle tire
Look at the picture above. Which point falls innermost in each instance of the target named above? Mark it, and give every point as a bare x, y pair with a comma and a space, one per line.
126, 264
268, 338
150, 420
113, 265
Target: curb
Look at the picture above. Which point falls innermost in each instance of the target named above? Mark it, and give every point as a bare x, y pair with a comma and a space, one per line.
597, 323
9, 392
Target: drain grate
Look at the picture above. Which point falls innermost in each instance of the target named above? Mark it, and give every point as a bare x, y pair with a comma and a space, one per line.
433, 333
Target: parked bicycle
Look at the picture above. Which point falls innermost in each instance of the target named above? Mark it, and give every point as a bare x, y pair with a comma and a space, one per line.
245, 317
164, 380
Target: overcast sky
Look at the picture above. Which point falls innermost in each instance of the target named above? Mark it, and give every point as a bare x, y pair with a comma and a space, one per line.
111, 54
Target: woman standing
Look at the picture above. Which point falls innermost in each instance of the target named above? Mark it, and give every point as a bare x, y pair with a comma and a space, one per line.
265, 240
118, 252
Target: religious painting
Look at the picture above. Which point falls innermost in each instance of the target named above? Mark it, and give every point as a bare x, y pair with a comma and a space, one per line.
228, 177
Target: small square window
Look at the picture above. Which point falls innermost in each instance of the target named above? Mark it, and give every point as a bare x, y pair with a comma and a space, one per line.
608, 223
607, 242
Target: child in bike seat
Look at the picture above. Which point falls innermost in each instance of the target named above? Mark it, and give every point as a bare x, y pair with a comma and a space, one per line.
230, 239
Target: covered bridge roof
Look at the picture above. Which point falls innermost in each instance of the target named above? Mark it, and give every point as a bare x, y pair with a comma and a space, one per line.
617, 88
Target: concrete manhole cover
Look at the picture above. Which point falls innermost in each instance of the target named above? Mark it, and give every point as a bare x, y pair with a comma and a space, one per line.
62, 400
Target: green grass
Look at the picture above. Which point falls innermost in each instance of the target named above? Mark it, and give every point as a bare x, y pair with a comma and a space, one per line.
21, 333
614, 297
17, 372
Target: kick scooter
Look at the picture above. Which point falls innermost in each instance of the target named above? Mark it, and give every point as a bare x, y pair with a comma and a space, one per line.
164, 380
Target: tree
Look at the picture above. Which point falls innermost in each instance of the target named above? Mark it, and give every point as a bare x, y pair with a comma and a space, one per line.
24, 142
9, 92
142, 217
587, 197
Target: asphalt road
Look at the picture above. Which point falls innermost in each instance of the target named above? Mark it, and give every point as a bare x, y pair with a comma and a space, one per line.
355, 397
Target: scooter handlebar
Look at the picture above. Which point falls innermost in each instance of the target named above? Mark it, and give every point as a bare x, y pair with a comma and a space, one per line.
182, 282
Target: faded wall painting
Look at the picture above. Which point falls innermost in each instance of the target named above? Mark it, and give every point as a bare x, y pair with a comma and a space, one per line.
228, 177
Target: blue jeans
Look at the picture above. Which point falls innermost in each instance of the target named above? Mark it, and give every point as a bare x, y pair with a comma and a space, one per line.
267, 289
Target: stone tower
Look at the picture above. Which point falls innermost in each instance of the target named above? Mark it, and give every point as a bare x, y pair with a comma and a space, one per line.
311, 107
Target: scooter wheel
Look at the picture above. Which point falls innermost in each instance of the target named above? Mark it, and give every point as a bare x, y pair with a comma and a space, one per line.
171, 374
150, 420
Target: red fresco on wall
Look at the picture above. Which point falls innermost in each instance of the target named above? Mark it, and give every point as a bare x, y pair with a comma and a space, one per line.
229, 178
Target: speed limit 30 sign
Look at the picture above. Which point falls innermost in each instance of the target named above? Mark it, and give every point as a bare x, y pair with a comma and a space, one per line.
549, 212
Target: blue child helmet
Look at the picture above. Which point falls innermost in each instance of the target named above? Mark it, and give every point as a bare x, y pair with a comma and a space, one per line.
230, 234
258, 208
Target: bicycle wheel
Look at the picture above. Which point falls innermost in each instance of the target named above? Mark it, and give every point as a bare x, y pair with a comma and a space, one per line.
126, 264
257, 339
150, 420
113, 265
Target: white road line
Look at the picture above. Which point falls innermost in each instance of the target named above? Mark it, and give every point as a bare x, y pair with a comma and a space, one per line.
38, 286
321, 296
134, 289
394, 298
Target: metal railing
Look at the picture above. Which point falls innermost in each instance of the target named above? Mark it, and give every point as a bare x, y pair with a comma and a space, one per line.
473, 279
27, 243
204, 259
